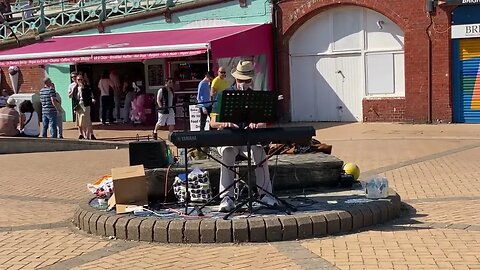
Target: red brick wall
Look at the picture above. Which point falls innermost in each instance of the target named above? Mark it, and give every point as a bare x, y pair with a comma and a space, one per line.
383, 110
30, 79
410, 16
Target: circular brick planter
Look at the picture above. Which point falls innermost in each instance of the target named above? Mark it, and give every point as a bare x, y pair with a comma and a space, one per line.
341, 218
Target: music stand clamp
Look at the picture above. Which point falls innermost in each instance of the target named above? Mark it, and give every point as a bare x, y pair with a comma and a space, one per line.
247, 107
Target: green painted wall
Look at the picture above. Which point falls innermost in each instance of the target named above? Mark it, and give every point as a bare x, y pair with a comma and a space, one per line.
60, 75
257, 12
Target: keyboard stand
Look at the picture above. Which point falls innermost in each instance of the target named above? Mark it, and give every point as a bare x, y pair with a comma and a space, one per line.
288, 207
251, 199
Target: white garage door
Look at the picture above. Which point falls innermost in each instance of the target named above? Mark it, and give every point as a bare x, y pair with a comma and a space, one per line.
330, 89
332, 58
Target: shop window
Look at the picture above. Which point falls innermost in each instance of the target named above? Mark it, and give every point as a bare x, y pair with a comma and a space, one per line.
155, 76
385, 74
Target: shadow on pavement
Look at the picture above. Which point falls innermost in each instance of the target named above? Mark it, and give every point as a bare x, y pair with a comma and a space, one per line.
317, 125
120, 127
406, 222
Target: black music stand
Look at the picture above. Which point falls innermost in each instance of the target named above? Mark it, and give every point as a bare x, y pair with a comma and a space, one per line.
248, 107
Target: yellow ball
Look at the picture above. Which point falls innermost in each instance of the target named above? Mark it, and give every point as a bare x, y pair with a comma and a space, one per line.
352, 169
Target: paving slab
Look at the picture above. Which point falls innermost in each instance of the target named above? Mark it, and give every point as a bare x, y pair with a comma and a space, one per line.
433, 167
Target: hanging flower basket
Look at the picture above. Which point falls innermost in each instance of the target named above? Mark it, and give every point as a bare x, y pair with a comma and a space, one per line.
13, 70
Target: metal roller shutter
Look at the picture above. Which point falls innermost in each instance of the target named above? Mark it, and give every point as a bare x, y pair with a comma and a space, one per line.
469, 80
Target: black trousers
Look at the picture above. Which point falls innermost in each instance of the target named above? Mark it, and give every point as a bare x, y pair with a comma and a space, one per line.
203, 117
107, 107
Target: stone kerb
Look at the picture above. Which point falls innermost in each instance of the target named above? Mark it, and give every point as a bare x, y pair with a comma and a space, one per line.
13, 145
267, 228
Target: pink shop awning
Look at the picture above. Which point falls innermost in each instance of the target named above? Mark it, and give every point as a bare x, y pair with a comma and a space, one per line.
102, 48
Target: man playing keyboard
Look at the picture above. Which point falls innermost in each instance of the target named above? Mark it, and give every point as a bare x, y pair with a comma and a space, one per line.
243, 74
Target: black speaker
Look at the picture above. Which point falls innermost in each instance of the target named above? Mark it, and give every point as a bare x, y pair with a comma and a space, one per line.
152, 154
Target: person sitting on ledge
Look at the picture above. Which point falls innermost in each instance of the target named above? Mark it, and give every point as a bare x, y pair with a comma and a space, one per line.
29, 122
243, 75
9, 119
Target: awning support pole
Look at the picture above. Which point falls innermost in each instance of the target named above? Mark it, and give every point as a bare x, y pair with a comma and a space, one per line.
208, 58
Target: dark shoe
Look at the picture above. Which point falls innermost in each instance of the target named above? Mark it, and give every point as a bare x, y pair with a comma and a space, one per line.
155, 136
92, 137
81, 137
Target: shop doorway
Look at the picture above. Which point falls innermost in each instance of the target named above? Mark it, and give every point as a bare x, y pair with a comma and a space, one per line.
92, 73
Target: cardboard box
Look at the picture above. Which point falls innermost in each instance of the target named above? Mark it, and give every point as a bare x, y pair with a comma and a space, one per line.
130, 187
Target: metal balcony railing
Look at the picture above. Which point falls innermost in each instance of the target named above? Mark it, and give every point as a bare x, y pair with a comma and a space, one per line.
48, 15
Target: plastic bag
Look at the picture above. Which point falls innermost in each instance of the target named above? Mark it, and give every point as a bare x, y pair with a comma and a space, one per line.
376, 187
198, 186
102, 188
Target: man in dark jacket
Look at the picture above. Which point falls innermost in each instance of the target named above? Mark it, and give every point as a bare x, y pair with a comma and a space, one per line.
83, 99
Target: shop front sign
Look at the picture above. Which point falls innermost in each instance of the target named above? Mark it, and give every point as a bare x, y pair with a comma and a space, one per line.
101, 58
466, 30
461, 2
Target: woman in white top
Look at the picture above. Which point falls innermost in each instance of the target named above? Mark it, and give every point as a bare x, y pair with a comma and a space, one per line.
29, 122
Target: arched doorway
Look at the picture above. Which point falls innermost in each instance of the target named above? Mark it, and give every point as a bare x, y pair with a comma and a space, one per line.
341, 56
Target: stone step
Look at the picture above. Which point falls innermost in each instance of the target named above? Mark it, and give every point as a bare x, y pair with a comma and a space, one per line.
310, 170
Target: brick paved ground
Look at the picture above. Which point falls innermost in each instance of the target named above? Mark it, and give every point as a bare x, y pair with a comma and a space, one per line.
434, 169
